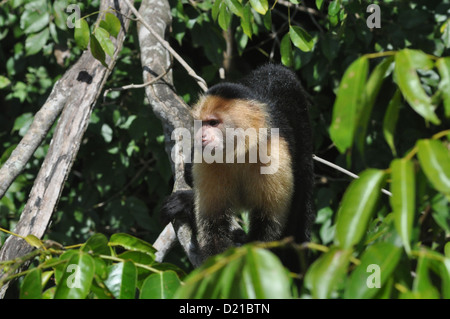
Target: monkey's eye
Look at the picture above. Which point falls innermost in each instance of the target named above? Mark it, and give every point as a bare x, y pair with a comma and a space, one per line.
213, 123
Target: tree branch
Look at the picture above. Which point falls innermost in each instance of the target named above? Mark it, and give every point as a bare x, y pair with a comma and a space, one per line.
77, 92
167, 106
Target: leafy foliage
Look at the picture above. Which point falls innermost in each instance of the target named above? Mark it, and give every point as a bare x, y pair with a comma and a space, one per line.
381, 109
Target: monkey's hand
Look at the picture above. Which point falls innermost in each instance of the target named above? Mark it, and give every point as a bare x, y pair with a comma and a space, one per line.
179, 205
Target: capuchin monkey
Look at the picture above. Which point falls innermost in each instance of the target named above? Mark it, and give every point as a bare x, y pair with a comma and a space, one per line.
252, 152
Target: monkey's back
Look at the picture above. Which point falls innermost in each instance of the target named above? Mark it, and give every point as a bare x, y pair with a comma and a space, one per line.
280, 89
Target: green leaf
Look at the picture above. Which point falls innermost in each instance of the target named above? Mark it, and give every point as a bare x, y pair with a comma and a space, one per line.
35, 20
81, 34
132, 243
422, 283
441, 211
286, 51
35, 42
325, 273
111, 24
246, 21
31, 287
224, 17
216, 9
260, 6
268, 20
4, 82
434, 159
33, 241
334, 7
380, 259
105, 42
390, 120
236, 7
77, 276
122, 279
350, 99
97, 244
443, 66
372, 89
357, 207
406, 63
107, 133
59, 14
319, 4
301, 39
160, 286
242, 272
97, 51
22, 123
403, 199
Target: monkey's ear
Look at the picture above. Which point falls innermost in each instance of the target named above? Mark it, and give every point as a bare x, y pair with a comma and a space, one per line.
179, 205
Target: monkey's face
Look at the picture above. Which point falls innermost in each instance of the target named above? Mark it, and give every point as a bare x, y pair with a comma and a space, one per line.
211, 133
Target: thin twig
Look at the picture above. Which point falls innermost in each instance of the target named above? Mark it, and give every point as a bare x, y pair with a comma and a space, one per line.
343, 170
136, 86
200, 81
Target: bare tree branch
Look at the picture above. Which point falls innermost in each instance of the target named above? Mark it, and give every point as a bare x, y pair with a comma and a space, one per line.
81, 86
168, 107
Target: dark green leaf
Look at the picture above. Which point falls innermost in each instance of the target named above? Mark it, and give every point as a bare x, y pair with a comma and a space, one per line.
132, 243
325, 273
77, 277
403, 199
372, 89
349, 101
377, 264
406, 63
243, 272
357, 207
286, 51
105, 42
434, 159
31, 287
98, 244
301, 39
422, 284
81, 34
111, 24
268, 20
246, 21
160, 286
443, 66
122, 279
390, 120
97, 51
